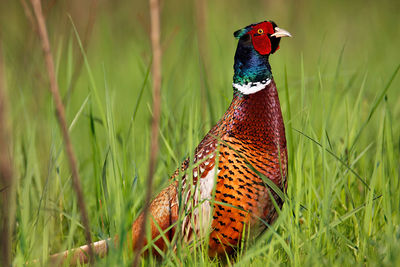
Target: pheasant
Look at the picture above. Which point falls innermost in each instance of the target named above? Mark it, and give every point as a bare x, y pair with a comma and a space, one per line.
222, 190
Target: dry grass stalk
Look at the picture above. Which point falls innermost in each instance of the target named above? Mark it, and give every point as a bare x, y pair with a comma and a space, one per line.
36, 4
6, 177
28, 14
201, 24
156, 73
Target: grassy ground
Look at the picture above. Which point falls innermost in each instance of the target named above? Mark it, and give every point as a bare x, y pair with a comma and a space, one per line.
340, 103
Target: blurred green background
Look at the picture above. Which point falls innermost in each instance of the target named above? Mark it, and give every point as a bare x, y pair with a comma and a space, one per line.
339, 61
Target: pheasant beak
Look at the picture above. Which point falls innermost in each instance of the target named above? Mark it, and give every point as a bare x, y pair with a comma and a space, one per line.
281, 33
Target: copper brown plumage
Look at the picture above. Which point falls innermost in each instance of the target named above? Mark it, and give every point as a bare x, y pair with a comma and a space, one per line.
250, 133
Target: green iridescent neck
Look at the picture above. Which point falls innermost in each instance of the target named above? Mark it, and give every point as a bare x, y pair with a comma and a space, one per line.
249, 65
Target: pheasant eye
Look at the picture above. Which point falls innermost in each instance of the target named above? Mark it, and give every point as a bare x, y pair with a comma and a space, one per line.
260, 31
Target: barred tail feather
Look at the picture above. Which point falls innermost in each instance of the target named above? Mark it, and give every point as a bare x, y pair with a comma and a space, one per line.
79, 255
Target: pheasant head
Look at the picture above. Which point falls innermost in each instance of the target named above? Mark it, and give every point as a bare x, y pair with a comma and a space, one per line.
256, 43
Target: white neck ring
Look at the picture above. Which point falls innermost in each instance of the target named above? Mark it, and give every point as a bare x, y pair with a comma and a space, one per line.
251, 87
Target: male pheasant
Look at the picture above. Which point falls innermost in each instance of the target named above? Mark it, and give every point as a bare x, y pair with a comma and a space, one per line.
248, 140
224, 194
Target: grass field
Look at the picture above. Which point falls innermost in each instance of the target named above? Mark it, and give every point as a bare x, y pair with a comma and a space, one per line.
340, 100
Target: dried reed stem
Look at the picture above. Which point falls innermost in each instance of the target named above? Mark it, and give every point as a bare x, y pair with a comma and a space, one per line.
29, 14
156, 73
201, 23
42, 31
6, 178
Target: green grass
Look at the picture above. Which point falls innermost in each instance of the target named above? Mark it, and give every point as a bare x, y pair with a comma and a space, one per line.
340, 101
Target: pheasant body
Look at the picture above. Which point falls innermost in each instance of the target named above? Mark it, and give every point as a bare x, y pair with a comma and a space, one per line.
224, 193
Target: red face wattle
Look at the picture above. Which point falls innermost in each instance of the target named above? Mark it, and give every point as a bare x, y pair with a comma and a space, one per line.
260, 35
